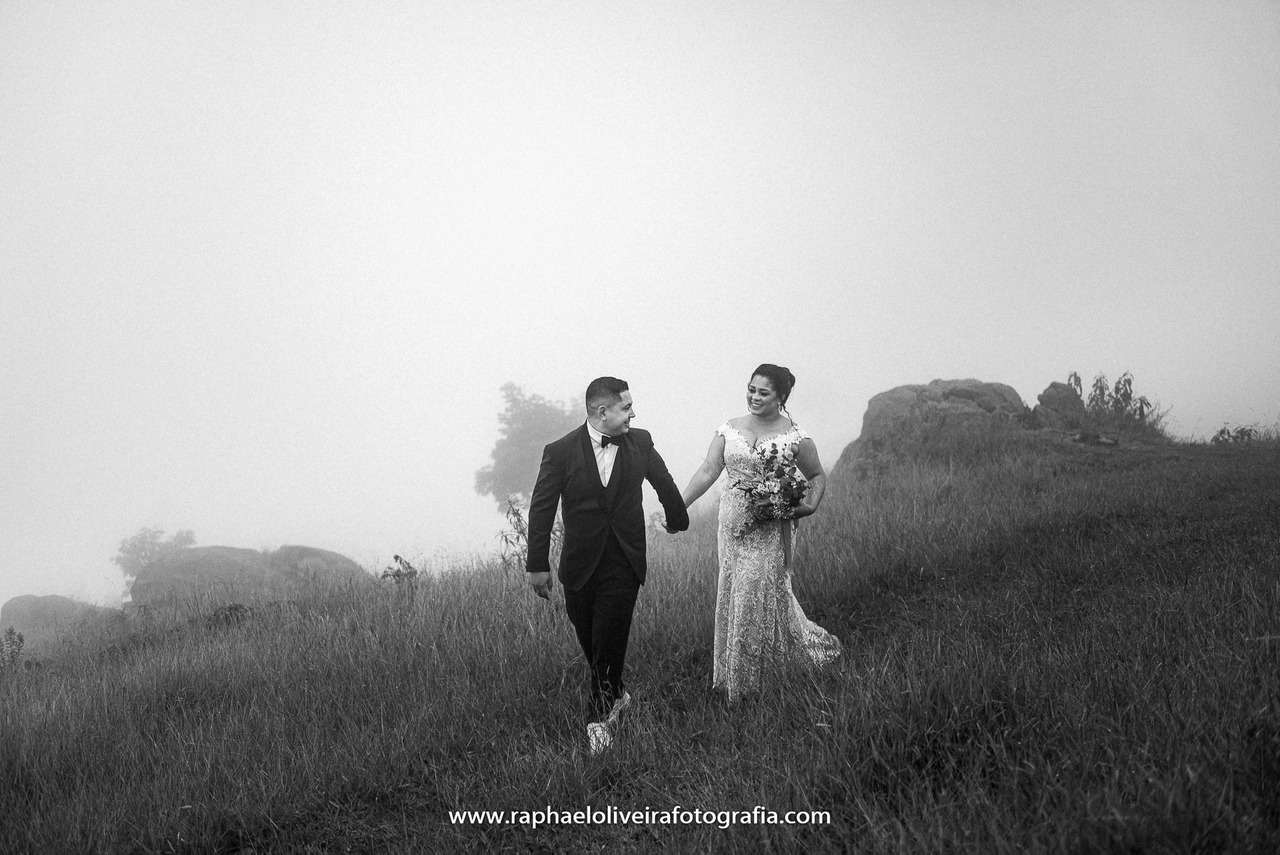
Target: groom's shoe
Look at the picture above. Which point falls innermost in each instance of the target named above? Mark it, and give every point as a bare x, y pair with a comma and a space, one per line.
598, 737
618, 706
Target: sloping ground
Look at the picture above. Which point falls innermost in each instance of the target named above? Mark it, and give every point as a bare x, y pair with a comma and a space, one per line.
1070, 651
1095, 667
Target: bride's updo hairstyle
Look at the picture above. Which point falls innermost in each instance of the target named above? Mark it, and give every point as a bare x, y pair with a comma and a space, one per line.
781, 378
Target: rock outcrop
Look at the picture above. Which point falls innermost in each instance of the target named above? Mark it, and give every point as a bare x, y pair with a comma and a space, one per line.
958, 421
896, 417
917, 420
40, 618
223, 574
886, 411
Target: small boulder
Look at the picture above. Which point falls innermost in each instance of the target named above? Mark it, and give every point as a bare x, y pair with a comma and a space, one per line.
229, 615
1060, 407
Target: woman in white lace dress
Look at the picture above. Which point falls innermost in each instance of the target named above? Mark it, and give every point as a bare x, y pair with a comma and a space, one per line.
759, 624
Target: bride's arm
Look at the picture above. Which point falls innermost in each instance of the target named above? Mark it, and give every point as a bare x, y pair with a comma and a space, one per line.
811, 467
707, 473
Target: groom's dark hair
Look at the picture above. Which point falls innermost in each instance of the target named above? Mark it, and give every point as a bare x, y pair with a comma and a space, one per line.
604, 390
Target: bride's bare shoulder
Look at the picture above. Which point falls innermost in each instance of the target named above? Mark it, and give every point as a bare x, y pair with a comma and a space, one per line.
727, 427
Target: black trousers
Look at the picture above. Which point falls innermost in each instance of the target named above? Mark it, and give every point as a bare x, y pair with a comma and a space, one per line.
600, 612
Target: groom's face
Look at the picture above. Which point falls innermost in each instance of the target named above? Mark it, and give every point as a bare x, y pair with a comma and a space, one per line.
617, 416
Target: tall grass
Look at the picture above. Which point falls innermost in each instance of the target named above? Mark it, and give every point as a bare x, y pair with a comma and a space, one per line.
1054, 649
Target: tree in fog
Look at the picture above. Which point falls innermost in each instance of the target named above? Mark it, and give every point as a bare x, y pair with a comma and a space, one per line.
146, 546
527, 424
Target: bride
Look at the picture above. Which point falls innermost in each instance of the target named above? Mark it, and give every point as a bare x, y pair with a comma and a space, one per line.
759, 623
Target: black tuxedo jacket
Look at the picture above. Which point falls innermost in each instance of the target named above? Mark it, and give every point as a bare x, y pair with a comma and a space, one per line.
569, 477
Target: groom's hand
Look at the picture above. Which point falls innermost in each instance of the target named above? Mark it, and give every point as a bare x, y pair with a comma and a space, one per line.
661, 520
541, 583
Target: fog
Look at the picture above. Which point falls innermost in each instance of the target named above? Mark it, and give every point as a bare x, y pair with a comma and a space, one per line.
265, 267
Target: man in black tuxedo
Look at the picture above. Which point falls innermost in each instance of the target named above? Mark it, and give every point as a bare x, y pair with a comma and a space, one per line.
596, 473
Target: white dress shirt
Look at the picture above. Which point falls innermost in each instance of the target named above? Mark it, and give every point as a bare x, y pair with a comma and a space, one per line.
604, 456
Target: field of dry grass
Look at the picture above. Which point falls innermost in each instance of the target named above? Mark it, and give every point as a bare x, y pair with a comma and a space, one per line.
1051, 647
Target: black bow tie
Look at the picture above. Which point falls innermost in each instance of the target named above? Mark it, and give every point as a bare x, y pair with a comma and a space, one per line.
605, 439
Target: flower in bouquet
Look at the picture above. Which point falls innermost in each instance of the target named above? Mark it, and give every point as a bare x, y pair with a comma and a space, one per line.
775, 491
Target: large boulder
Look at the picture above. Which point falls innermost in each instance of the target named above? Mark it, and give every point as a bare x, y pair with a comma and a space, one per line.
898, 416
212, 575
41, 618
1060, 407
888, 410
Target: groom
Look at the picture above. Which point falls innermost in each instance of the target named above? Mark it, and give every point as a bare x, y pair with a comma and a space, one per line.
595, 474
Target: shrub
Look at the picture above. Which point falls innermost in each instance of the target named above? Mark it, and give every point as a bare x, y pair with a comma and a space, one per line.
400, 571
1241, 433
1116, 409
10, 650
515, 539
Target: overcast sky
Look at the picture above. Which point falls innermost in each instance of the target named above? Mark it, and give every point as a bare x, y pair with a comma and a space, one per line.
265, 266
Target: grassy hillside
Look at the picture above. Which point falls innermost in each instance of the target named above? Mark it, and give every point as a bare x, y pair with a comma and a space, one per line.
1050, 647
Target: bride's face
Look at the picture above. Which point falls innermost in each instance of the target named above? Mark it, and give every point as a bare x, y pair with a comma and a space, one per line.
762, 400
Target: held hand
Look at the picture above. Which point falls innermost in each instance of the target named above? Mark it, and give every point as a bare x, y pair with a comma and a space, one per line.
542, 584
803, 509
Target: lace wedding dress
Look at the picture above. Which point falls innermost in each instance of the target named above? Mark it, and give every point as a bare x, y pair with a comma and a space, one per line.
759, 623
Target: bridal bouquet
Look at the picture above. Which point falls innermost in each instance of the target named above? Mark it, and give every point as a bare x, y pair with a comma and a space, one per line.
776, 492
